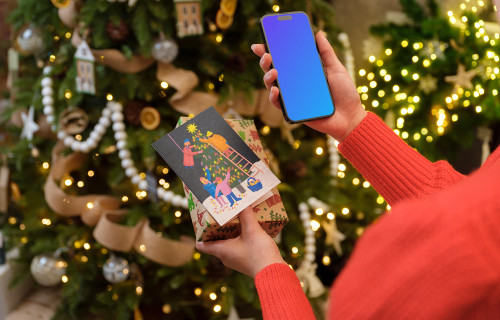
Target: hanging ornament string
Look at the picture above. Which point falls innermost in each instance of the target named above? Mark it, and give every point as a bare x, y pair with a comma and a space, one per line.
102, 211
306, 272
331, 142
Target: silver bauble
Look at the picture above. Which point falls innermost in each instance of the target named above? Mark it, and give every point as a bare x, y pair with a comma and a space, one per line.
116, 269
48, 269
29, 40
165, 50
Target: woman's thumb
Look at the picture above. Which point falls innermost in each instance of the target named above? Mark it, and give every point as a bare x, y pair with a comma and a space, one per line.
248, 222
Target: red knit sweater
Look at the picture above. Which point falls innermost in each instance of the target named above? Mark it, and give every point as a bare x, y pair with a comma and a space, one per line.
436, 255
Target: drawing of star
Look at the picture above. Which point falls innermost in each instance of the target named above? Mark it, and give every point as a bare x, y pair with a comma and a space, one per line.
29, 124
333, 235
191, 128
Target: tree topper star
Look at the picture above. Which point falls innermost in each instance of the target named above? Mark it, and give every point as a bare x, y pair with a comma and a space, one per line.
333, 235
29, 124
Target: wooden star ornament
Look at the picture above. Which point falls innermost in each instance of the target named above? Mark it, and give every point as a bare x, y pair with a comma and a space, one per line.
462, 78
333, 235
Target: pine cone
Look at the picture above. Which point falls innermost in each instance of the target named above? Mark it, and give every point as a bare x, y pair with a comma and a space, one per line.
236, 62
132, 111
117, 33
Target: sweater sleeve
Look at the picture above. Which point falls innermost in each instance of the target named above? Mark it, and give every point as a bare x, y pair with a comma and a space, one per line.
281, 295
395, 169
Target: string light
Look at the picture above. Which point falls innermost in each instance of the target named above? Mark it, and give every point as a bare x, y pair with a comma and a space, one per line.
124, 199
213, 296
86, 246
64, 279
167, 308
355, 181
46, 222
345, 211
80, 184
164, 85
90, 173
276, 8
326, 260
315, 225
319, 151
197, 291
177, 214
109, 97
218, 38
217, 308
330, 216
68, 182
319, 211
45, 165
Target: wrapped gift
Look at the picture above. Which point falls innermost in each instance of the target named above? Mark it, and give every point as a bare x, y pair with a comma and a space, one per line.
269, 210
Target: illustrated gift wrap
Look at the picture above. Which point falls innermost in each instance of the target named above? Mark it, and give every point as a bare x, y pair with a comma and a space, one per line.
270, 213
220, 169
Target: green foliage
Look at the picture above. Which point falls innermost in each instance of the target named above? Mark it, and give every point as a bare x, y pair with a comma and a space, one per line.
427, 49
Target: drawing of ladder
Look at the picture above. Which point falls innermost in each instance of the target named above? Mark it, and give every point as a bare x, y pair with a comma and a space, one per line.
240, 162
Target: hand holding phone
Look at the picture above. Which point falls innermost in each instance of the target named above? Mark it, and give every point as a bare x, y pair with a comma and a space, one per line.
305, 94
348, 109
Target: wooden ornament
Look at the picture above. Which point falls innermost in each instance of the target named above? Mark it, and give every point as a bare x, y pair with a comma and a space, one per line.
73, 121
189, 21
150, 118
85, 79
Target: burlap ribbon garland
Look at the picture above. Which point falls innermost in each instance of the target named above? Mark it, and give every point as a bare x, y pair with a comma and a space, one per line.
186, 100
102, 210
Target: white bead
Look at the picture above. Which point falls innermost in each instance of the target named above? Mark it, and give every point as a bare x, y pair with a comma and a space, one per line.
115, 106
184, 203
104, 121
305, 216
100, 129
47, 91
310, 240
75, 145
309, 257
143, 185
124, 154
121, 145
136, 179
48, 101
309, 232
47, 70
106, 112
303, 207
160, 192
68, 141
84, 147
117, 117
91, 143
130, 172
61, 135
50, 119
118, 126
46, 82
168, 196
310, 248
48, 110
177, 200
120, 136
127, 163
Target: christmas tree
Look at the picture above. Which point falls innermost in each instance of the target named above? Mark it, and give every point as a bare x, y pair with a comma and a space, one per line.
94, 83
434, 77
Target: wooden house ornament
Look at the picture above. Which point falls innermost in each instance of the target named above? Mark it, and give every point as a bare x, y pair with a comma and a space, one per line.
85, 79
189, 21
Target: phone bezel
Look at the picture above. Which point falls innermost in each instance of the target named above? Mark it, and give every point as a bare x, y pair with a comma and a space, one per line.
280, 98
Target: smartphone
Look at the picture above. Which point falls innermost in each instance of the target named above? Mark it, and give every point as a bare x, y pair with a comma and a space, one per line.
304, 91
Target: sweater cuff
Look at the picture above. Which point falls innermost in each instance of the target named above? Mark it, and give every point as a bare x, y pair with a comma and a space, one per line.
281, 295
395, 169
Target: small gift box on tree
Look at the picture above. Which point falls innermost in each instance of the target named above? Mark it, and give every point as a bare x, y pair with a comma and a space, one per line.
269, 210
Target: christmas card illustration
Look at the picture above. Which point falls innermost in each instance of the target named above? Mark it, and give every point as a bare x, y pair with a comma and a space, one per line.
224, 174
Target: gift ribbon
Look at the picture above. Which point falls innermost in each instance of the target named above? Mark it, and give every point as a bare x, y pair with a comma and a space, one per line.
105, 215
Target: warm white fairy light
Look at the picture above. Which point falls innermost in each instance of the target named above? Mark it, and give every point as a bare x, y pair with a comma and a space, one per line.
112, 115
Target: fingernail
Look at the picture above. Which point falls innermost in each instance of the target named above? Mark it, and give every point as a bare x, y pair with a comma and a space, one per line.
262, 58
268, 75
272, 92
252, 46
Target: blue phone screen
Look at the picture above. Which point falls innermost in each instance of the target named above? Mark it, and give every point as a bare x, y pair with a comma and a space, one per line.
301, 80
